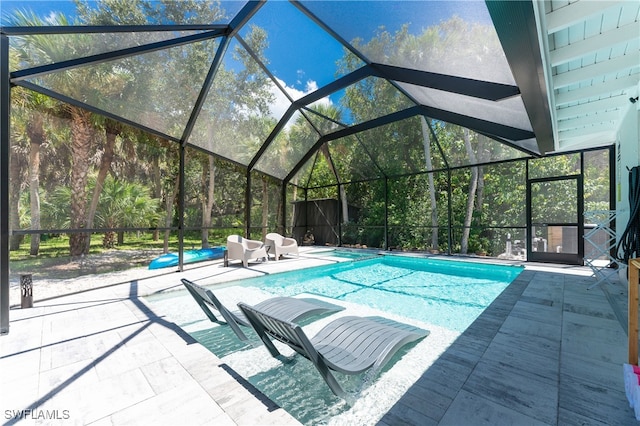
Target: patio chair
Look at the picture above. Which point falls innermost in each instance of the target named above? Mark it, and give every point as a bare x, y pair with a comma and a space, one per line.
292, 308
348, 344
279, 245
244, 249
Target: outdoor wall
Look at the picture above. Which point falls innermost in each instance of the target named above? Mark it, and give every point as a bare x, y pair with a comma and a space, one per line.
628, 156
320, 218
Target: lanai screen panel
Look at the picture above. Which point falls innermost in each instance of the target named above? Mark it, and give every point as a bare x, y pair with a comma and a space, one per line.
500, 207
556, 166
352, 160
470, 149
452, 38
288, 148
316, 172
64, 47
159, 13
368, 99
507, 112
141, 88
295, 45
596, 180
44, 153
242, 107
398, 148
303, 177
322, 123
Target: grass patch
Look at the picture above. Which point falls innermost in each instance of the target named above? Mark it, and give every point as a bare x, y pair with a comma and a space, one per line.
53, 260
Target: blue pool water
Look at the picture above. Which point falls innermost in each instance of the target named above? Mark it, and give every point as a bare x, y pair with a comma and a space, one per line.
442, 296
345, 254
447, 293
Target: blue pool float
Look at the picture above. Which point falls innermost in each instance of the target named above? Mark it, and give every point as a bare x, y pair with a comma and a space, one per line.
190, 256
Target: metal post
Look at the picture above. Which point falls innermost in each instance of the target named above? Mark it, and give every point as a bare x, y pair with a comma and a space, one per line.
612, 193
386, 214
247, 206
5, 107
284, 211
181, 185
340, 206
449, 212
580, 218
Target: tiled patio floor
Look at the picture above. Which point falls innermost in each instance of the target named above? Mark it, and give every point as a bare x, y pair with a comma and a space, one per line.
547, 351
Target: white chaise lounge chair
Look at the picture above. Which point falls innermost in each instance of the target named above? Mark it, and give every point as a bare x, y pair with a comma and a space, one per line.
244, 249
279, 245
292, 308
348, 344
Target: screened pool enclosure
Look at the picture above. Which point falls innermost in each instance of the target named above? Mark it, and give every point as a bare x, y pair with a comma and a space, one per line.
391, 125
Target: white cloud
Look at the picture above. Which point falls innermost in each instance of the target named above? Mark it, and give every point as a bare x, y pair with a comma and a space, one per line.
311, 86
52, 18
281, 104
300, 76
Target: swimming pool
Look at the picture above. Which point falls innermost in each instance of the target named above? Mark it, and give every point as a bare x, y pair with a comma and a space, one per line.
441, 296
345, 254
447, 293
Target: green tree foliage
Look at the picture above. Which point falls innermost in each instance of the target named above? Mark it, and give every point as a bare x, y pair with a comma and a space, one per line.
93, 150
434, 175
124, 205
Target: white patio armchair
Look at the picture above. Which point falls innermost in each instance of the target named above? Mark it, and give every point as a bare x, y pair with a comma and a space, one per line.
239, 248
279, 245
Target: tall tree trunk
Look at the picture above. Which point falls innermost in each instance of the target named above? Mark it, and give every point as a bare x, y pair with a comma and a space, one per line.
129, 150
426, 143
208, 175
157, 188
294, 197
481, 158
14, 199
35, 131
345, 204
81, 131
473, 186
112, 131
169, 209
280, 224
343, 193
265, 207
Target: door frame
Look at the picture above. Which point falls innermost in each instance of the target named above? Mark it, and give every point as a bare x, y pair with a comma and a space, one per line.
550, 257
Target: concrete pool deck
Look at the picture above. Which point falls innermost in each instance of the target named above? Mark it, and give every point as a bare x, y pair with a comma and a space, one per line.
548, 351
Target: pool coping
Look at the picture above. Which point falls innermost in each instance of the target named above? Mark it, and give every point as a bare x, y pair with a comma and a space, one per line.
57, 352
520, 363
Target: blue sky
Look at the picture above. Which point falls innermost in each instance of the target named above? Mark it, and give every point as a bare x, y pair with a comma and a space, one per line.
301, 55
41, 7
297, 44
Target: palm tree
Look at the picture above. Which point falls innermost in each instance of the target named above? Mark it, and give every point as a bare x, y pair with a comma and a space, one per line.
112, 131
334, 115
18, 163
71, 83
35, 132
30, 120
124, 204
55, 208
